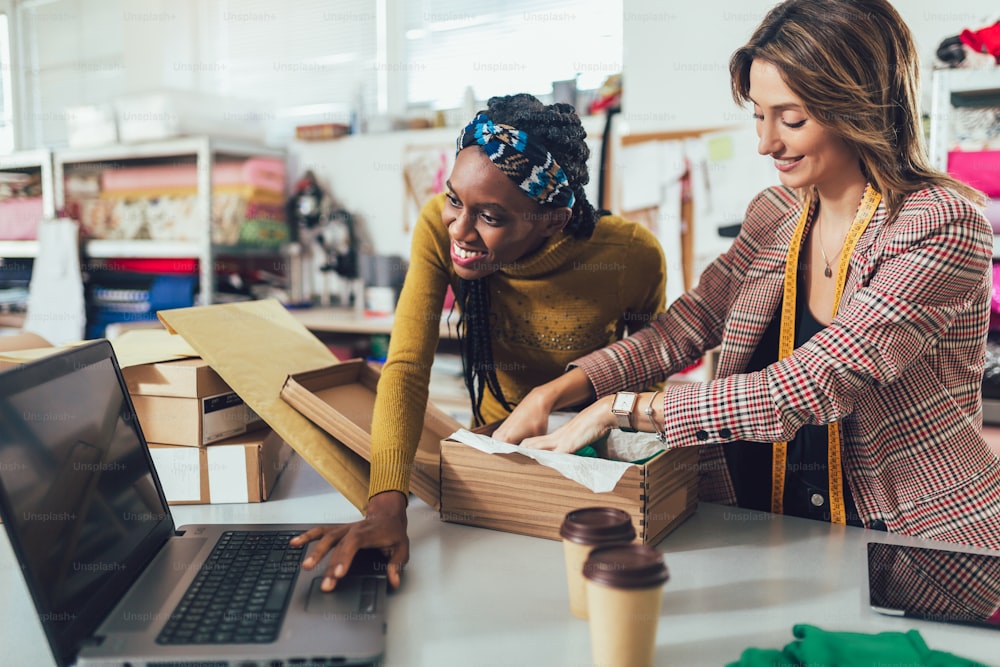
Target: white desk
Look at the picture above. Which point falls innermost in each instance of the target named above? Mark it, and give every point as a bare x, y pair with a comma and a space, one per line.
338, 319
473, 597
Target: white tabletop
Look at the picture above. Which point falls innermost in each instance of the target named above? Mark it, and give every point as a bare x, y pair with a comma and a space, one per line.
473, 597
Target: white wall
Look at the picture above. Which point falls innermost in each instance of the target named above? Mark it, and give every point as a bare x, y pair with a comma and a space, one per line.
676, 59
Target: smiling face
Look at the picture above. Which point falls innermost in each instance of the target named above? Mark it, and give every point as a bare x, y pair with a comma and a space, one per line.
805, 153
490, 220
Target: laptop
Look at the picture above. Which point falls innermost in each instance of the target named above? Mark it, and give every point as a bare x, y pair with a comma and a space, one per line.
115, 582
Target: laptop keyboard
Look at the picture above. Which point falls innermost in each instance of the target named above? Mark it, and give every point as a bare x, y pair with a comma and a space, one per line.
241, 592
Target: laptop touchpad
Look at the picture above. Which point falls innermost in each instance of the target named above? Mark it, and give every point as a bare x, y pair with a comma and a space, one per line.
352, 596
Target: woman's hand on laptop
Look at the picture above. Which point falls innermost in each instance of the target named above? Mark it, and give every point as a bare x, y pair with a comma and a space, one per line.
384, 527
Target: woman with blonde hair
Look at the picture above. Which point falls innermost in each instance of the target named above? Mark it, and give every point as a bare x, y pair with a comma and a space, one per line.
851, 311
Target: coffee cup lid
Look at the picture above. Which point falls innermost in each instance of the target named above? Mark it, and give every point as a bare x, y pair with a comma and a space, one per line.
597, 525
626, 566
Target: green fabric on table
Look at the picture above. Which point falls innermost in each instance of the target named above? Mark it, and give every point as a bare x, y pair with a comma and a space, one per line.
815, 647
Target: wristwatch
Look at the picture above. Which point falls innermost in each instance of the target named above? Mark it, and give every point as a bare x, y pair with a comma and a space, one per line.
622, 408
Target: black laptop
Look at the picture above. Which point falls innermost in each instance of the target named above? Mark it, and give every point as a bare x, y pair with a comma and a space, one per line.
115, 582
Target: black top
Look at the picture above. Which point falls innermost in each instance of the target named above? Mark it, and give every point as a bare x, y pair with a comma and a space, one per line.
807, 488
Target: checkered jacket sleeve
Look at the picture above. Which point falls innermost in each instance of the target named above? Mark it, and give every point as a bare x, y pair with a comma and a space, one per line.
900, 366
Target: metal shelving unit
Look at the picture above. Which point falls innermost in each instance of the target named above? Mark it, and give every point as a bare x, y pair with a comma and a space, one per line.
958, 88
205, 151
29, 161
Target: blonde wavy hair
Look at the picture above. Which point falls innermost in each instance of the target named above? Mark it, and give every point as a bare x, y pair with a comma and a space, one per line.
855, 68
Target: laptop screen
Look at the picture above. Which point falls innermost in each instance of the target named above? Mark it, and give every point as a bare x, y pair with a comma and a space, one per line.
77, 491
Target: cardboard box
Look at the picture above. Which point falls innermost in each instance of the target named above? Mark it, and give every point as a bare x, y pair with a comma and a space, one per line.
165, 114
91, 125
243, 469
185, 402
512, 493
196, 421
340, 399
516, 494
185, 378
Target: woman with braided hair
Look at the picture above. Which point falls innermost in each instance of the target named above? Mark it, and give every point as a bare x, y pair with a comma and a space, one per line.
540, 278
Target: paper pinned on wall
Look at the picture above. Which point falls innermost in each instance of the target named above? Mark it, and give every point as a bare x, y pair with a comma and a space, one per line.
425, 171
641, 176
669, 230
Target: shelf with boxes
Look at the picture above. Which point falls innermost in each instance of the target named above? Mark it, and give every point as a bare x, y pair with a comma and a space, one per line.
175, 214
26, 198
965, 132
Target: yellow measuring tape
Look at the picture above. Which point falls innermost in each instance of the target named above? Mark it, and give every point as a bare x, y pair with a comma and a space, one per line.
786, 344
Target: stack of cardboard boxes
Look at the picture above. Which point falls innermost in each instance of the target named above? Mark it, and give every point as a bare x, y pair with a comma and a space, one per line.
206, 444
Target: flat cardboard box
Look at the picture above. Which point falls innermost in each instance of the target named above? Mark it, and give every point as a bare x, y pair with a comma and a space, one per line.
194, 422
340, 399
243, 469
516, 494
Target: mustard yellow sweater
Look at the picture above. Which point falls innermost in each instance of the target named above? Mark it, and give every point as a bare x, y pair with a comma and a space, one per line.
567, 299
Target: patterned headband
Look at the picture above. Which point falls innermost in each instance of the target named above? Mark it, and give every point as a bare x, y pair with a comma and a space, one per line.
527, 163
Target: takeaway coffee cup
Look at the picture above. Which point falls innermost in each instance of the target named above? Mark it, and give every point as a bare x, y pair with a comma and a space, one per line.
582, 530
624, 591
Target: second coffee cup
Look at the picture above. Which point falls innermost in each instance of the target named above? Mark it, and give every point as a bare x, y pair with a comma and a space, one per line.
582, 531
624, 590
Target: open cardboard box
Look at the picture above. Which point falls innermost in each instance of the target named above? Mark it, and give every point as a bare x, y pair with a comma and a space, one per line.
340, 399
507, 492
516, 494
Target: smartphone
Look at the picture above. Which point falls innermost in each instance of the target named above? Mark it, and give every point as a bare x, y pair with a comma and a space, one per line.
935, 584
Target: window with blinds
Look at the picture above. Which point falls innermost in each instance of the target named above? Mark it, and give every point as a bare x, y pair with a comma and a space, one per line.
308, 58
503, 48
71, 53
305, 60
6, 87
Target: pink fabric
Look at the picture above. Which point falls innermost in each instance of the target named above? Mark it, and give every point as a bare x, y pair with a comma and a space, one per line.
980, 169
19, 218
262, 172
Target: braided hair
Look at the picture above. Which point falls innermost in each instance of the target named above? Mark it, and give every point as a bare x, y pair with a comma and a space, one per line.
558, 128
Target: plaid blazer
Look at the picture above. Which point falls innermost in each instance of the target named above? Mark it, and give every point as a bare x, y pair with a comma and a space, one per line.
900, 366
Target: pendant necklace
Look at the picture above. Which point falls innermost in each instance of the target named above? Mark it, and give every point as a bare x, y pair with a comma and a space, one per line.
828, 272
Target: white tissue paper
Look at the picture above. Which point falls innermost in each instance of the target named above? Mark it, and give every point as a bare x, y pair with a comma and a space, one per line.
56, 309
597, 474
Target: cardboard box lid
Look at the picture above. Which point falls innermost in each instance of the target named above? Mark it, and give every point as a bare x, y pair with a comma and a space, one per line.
254, 346
184, 378
341, 400
131, 348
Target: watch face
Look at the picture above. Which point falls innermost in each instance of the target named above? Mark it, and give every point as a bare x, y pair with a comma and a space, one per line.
623, 402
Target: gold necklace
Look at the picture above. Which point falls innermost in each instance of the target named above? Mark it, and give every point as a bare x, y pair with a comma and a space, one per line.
828, 272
